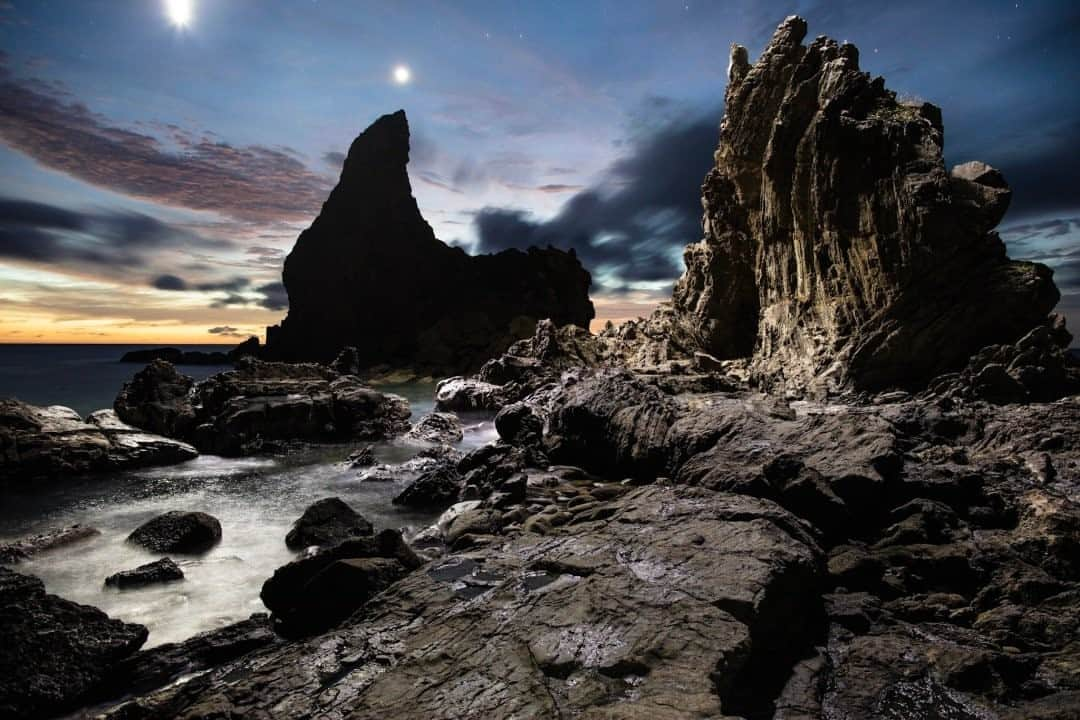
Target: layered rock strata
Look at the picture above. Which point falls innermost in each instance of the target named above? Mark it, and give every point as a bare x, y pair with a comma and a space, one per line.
839, 251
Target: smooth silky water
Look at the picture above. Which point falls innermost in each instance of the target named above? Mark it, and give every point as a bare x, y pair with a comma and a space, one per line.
256, 499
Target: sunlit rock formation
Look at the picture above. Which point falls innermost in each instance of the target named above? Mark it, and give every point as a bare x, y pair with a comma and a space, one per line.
370, 272
838, 249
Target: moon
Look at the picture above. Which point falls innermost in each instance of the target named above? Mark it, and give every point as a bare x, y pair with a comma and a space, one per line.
402, 75
180, 12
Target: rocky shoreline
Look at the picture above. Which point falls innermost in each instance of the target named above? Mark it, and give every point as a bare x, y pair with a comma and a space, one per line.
811, 486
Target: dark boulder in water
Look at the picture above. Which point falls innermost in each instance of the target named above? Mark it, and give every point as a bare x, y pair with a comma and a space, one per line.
159, 571
438, 427
179, 532
54, 653
327, 522
370, 272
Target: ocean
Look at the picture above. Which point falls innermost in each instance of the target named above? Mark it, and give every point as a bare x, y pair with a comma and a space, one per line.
84, 378
255, 498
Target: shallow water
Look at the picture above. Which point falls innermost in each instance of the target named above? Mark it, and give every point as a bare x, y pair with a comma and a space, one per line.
256, 500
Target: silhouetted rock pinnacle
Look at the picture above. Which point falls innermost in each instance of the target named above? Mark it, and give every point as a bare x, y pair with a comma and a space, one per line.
370, 272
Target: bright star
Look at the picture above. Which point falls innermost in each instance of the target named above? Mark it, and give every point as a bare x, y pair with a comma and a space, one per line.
180, 12
402, 75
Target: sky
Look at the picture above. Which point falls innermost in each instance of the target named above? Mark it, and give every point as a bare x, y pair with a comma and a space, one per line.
157, 162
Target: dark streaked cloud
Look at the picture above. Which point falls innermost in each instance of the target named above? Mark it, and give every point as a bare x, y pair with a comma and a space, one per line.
114, 240
237, 291
226, 331
251, 182
634, 225
169, 282
274, 296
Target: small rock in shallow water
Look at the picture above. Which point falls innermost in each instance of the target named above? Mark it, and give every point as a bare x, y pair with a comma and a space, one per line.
364, 457
327, 522
11, 553
438, 427
159, 571
178, 531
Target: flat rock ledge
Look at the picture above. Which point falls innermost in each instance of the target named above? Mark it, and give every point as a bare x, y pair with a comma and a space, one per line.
43, 442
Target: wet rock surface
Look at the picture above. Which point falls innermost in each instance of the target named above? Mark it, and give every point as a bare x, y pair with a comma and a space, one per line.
159, 571
539, 626
249, 409
150, 669
327, 522
178, 532
46, 442
440, 310
54, 652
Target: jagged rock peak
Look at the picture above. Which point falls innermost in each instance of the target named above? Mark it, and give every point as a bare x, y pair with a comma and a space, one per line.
370, 273
838, 252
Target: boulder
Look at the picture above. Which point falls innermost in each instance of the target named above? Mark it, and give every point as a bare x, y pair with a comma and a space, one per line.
518, 423
327, 522
178, 532
301, 607
158, 399
436, 488
337, 590
839, 251
159, 571
55, 653
249, 347
439, 427
440, 310
45, 442
1036, 368
459, 394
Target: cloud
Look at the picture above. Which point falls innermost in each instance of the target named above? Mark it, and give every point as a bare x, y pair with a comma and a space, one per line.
274, 296
226, 331
112, 241
636, 232
237, 291
334, 159
251, 183
169, 282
